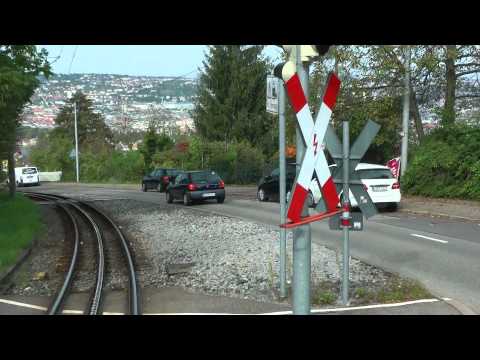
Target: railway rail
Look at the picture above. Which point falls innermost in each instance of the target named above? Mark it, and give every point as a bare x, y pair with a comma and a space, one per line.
95, 218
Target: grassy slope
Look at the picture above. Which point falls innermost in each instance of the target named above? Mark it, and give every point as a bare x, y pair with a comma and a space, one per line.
19, 222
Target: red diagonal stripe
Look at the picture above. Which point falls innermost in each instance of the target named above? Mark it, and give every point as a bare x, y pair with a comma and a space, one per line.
296, 205
333, 87
330, 195
295, 93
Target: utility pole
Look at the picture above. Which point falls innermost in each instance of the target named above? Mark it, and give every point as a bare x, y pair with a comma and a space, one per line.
283, 205
301, 235
346, 212
76, 142
406, 113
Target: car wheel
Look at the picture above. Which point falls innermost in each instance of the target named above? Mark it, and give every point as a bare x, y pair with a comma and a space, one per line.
144, 187
169, 197
310, 200
220, 200
261, 195
186, 199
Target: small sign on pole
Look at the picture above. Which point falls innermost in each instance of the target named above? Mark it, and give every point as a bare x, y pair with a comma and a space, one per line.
273, 88
394, 165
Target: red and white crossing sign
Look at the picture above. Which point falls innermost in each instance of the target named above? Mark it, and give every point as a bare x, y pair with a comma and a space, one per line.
313, 133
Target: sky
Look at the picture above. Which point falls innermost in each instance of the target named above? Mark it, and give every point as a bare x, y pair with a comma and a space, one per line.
149, 60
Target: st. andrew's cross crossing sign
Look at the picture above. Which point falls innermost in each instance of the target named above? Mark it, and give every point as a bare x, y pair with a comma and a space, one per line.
314, 159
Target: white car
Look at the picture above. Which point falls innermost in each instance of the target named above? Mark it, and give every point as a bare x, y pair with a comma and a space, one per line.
378, 180
27, 175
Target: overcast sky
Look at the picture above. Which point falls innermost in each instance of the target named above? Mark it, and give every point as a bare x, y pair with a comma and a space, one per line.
152, 60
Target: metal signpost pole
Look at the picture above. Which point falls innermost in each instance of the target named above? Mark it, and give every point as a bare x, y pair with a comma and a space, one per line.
301, 235
346, 212
76, 143
406, 111
283, 210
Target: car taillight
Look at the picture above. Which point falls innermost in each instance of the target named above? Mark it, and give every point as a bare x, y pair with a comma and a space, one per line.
396, 186
221, 184
166, 179
192, 187
365, 187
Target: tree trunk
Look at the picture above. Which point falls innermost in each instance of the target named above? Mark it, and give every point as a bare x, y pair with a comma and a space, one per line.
415, 113
449, 106
12, 185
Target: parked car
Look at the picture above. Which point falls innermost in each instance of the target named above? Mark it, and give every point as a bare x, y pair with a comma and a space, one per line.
378, 181
268, 187
381, 185
27, 175
193, 186
159, 179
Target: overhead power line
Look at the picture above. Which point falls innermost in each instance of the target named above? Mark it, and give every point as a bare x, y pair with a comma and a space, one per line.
73, 57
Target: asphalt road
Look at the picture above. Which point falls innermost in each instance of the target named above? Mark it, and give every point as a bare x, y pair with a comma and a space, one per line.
442, 254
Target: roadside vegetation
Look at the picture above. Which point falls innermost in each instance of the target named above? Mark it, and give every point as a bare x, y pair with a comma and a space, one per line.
396, 289
446, 164
19, 223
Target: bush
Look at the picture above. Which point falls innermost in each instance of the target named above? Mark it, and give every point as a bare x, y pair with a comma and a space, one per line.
446, 164
249, 164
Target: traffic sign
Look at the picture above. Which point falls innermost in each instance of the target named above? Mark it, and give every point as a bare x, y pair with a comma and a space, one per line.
273, 88
357, 151
313, 134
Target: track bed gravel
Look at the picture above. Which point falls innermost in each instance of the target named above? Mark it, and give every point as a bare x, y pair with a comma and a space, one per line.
219, 255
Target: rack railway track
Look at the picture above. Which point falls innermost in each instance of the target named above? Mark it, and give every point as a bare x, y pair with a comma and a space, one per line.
100, 224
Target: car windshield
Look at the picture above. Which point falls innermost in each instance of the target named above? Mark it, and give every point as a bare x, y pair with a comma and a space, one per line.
375, 174
204, 177
173, 172
29, 171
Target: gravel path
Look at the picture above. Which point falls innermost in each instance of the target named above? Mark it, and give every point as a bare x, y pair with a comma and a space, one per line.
222, 255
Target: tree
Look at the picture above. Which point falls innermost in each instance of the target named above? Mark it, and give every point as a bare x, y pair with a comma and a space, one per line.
231, 96
154, 143
20, 66
93, 133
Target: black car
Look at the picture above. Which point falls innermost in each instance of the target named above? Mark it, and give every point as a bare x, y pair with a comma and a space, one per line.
269, 186
159, 179
196, 186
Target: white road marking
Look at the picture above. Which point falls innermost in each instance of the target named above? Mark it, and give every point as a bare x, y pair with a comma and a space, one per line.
72, 312
79, 312
359, 307
430, 238
20, 304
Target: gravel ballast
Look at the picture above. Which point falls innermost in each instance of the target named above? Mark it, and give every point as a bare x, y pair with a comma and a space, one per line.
220, 255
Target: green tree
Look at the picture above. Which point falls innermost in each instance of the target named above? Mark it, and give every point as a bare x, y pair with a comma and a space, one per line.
231, 96
20, 66
93, 133
154, 143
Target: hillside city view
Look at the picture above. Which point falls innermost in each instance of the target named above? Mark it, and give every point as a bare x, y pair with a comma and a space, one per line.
126, 102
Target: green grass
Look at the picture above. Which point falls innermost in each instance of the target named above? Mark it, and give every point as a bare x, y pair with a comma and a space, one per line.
397, 290
19, 223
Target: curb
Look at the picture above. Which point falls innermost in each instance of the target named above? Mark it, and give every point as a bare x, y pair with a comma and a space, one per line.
460, 307
419, 212
21, 259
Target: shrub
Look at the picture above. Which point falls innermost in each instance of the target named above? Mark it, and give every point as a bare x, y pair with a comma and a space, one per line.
249, 163
446, 164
